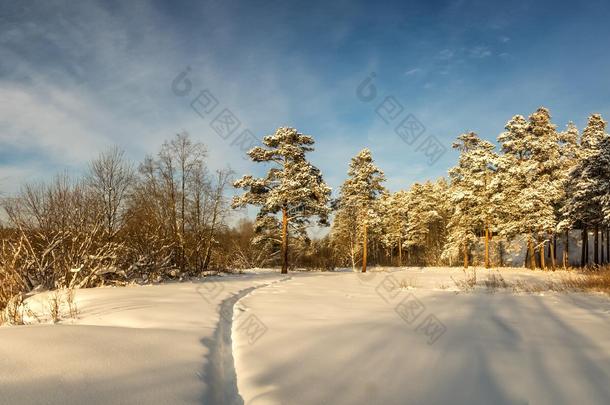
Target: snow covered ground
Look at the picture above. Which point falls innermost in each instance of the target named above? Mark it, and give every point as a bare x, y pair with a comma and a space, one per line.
388, 337
348, 339
132, 345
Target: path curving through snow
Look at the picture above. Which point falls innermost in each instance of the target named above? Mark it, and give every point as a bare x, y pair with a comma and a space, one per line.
320, 338
136, 344
220, 368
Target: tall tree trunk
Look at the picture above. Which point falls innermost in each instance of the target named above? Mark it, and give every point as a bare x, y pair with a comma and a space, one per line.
182, 220
596, 245
487, 265
608, 244
284, 240
208, 251
399, 252
352, 253
583, 250
465, 255
566, 250
542, 253
552, 248
364, 243
601, 247
587, 254
532, 255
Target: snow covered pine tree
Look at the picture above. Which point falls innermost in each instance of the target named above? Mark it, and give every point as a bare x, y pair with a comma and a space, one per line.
360, 192
471, 195
529, 180
587, 186
293, 187
394, 216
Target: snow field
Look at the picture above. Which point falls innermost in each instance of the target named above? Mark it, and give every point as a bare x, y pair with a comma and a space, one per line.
391, 336
339, 339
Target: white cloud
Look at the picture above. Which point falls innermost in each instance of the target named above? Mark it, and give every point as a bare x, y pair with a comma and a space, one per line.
413, 71
479, 52
446, 54
49, 119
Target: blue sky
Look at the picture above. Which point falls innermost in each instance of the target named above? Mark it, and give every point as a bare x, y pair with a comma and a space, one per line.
76, 77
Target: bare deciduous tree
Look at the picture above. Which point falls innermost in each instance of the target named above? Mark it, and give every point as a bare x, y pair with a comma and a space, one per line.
110, 177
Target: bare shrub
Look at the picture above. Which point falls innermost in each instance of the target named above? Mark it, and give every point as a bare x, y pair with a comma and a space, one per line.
62, 237
71, 301
495, 281
469, 282
12, 281
13, 312
61, 304
406, 284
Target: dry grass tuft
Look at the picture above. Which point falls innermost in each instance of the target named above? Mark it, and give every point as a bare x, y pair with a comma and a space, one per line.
495, 281
13, 312
406, 284
594, 280
58, 300
469, 282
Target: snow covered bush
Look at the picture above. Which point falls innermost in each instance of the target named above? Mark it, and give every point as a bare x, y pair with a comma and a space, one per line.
58, 238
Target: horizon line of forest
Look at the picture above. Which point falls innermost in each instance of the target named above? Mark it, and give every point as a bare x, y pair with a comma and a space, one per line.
167, 217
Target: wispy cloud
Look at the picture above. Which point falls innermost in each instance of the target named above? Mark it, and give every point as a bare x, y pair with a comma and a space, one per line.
413, 71
78, 76
479, 52
446, 54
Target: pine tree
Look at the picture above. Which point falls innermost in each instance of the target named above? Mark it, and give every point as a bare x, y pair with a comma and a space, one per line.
528, 173
344, 235
359, 194
586, 187
603, 164
293, 187
429, 212
569, 155
471, 196
394, 216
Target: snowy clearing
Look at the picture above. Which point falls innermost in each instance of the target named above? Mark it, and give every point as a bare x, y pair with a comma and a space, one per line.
141, 344
392, 336
338, 339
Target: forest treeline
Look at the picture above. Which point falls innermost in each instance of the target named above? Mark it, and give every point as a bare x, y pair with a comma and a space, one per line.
169, 216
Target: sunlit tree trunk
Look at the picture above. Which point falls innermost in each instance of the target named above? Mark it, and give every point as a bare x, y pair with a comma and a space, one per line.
399, 252
487, 264
566, 250
596, 245
364, 243
608, 244
532, 257
284, 241
602, 237
552, 247
465, 255
542, 252
583, 251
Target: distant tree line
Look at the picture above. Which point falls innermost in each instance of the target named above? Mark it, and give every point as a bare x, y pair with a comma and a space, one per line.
169, 216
